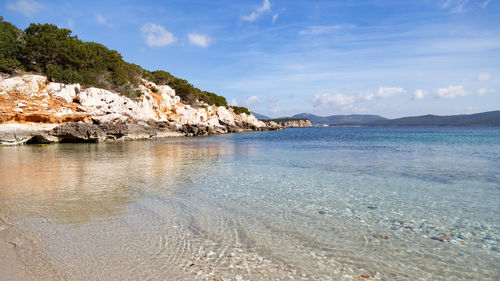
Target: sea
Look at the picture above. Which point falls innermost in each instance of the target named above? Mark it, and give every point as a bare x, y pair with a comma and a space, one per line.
349, 203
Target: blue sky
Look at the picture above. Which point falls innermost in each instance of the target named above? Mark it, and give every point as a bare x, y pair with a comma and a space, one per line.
281, 57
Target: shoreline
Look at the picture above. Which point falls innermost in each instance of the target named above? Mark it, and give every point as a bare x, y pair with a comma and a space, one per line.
12, 134
34, 110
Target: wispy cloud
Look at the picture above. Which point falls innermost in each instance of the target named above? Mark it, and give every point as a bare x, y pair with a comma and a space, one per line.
484, 76
233, 102
199, 40
345, 101
157, 35
26, 7
386, 92
266, 7
328, 99
383, 92
484, 91
460, 7
455, 6
485, 4
322, 29
253, 100
420, 94
102, 20
275, 17
451, 92
446, 4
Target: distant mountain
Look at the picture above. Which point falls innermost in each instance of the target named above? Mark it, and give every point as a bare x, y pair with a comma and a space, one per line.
338, 119
491, 118
260, 116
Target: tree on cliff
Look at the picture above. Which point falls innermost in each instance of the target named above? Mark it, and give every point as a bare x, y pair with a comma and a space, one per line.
62, 57
10, 46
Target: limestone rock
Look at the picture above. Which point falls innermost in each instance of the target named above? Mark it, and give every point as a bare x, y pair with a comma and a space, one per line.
21, 84
225, 117
78, 132
93, 115
290, 123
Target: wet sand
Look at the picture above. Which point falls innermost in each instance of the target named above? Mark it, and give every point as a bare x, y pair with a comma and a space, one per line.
11, 267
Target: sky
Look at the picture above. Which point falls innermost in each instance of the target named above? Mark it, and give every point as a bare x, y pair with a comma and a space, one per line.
282, 57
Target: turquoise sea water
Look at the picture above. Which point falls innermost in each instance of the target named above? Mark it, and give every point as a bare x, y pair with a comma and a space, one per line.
301, 204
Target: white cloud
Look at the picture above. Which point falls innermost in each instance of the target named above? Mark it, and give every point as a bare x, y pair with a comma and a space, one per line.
253, 100
485, 3
266, 7
275, 17
102, 20
367, 96
420, 94
451, 92
322, 29
484, 91
339, 100
26, 7
327, 99
386, 92
157, 35
484, 76
382, 92
345, 101
459, 8
199, 40
455, 6
233, 102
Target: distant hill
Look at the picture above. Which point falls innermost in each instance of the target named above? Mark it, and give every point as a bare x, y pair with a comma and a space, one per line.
491, 118
338, 119
260, 116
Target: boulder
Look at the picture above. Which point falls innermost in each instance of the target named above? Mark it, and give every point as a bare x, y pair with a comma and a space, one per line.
78, 132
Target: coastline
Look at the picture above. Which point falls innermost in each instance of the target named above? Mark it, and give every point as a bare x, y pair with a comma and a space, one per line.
34, 110
80, 132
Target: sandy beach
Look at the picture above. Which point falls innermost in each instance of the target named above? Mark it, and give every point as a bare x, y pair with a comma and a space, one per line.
11, 267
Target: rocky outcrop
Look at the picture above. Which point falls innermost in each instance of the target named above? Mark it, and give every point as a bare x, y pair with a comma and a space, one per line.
289, 123
33, 109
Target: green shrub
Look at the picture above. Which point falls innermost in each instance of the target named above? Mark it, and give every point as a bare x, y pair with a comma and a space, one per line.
240, 109
212, 98
159, 77
11, 39
55, 52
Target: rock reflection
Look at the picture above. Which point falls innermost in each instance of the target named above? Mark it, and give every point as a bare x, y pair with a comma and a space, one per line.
77, 183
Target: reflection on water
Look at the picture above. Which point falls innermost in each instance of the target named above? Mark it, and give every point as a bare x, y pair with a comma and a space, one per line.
303, 204
77, 183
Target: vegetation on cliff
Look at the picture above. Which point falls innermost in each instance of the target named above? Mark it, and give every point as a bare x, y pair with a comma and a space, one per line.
240, 109
62, 57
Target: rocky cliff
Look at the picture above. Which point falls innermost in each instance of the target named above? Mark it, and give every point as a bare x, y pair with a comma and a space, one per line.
289, 123
35, 110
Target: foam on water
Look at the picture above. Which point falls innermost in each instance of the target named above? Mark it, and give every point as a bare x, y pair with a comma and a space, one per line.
311, 204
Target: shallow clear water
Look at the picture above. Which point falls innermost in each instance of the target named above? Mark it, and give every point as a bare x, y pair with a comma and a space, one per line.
309, 203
